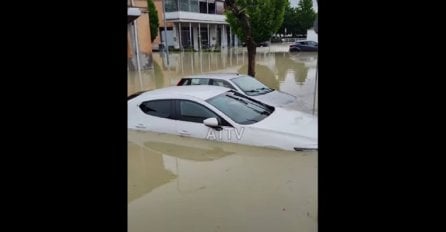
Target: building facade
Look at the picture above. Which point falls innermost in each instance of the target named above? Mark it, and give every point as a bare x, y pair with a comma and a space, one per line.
194, 24
139, 45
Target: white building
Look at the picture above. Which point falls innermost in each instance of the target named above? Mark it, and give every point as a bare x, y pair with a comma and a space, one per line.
198, 24
312, 35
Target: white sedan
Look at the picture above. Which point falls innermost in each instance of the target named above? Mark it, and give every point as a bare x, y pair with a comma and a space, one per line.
244, 84
219, 114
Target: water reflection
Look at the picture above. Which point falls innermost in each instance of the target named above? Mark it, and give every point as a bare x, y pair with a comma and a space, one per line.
293, 73
187, 184
143, 165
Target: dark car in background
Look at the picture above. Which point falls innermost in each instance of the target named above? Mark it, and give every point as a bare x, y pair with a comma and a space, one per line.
304, 46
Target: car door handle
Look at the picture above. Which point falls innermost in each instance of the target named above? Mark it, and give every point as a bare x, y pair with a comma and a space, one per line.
184, 133
140, 126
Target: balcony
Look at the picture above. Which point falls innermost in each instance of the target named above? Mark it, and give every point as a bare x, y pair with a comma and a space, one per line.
133, 13
183, 16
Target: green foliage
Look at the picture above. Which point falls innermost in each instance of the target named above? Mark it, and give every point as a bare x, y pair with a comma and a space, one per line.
298, 20
306, 14
153, 18
265, 17
290, 21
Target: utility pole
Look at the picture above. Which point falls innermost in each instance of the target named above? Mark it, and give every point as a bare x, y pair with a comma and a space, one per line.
165, 33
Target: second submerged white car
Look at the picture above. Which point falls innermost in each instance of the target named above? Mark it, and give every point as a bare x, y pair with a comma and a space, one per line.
218, 114
244, 84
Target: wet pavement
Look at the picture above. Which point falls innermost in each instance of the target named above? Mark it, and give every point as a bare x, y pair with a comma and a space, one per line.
186, 184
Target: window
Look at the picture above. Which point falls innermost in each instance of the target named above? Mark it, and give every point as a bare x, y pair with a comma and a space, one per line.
171, 5
184, 82
200, 81
194, 112
222, 83
203, 8
251, 86
158, 108
240, 108
211, 7
220, 8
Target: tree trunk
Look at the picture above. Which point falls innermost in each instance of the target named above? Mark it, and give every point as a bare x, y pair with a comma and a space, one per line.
243, 18
251, 57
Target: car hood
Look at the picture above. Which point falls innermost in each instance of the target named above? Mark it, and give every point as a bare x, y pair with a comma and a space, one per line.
276, 98
294, 123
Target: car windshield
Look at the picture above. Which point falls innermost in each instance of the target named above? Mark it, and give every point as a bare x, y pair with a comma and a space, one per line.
240, 108
250, 86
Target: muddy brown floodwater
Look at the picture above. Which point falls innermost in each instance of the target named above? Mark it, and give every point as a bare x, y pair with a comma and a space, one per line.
186, 184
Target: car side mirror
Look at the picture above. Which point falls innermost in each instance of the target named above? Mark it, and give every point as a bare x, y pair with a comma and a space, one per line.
212, 122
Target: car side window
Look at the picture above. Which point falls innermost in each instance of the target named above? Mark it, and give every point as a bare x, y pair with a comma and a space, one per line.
222, 83
184, 82
157, 108
194, 112
200, 81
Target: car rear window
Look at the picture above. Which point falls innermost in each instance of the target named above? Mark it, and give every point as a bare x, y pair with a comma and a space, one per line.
200, 81
222, 83
184, 81
193, 81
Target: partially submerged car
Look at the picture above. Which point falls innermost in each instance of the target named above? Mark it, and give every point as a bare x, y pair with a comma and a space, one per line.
244, 84
304, 46
219, 114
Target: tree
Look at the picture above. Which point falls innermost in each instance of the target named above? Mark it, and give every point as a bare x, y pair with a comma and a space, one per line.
286, 24
153, 18
254, 21
305, 14
290, 21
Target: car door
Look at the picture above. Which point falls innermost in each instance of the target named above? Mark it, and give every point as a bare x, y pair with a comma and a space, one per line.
304, 46
156, 115
312, 46
299, 46
190, 115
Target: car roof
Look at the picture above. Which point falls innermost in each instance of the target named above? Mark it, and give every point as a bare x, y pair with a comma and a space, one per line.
222, 76
203, 92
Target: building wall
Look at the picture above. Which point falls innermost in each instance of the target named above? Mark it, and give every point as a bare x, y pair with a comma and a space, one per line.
143, 27
159, 8
311, 35
173, 34
129, 46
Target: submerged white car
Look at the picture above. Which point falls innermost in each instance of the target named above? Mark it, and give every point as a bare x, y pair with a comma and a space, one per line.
244, 84
219, 114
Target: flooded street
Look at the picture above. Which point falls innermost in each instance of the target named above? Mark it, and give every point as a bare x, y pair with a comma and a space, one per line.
293, 73
186, 184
